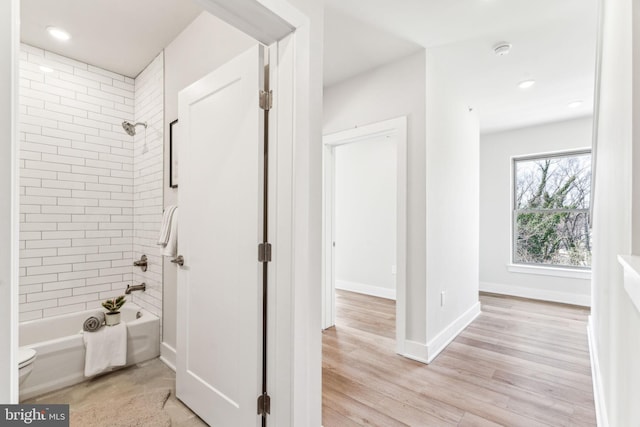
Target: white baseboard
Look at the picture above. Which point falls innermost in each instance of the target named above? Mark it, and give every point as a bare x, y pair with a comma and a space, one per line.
539, 294
444, 338
168, 355
362, 288
415, 351
426, 353
598, 391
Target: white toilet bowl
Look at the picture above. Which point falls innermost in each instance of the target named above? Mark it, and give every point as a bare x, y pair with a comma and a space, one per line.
26, 356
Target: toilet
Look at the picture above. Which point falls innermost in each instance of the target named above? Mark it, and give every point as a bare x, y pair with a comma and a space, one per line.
26, 356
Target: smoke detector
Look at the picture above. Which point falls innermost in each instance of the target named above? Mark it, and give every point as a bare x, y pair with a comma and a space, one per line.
502, 48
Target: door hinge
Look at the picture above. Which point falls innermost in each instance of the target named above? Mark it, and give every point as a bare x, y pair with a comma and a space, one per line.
264, 252
266, 100
264, 404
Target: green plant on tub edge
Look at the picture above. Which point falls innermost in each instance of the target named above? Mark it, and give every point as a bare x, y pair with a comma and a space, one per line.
113, 305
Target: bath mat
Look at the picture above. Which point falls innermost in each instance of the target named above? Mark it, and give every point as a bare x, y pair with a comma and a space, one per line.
138, 410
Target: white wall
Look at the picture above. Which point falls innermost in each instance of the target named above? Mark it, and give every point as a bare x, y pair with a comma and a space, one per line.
615, 321
365, 216
147, 156
394, 90
452, 200
306, 375
496, 152
76, 167
9, 39
203, 46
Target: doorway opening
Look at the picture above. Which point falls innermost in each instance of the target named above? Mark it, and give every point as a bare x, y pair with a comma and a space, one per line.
282, 28
364, 236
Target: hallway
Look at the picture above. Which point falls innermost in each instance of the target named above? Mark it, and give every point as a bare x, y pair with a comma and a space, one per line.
521, 363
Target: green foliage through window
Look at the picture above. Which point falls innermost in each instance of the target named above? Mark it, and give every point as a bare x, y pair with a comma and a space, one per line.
551, 212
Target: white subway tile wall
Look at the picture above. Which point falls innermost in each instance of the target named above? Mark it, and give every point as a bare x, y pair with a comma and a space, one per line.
147, 190
78, 182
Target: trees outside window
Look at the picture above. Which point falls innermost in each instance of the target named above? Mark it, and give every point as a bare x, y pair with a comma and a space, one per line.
552, 195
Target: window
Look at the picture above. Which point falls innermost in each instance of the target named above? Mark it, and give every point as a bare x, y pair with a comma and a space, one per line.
551, 210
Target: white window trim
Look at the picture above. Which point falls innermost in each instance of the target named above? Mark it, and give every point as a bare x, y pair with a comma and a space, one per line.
571, 273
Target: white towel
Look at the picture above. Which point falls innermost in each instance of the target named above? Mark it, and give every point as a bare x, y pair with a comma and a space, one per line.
165, 228
172, 244
106, 348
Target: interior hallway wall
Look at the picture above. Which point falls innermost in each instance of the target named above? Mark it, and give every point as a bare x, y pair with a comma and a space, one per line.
147, 184
204, 45
615, 320
453, 204
9, 38
394, 90
496, 152
365, 216
76, 196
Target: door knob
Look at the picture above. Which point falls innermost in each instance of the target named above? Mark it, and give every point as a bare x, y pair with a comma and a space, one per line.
178, 260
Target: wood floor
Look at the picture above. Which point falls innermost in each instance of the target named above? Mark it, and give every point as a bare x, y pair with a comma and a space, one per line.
520, 363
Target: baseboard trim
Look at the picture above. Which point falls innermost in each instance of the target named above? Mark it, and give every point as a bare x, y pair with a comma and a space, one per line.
363, 288
426, 353
168, 355
444, 338
598, 391
415, 351
538, 294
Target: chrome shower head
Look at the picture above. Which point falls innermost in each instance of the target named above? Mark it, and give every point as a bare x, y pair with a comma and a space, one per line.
130, 128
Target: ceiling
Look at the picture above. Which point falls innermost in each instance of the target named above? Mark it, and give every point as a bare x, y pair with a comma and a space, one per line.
553, 42
119, 35
352, 47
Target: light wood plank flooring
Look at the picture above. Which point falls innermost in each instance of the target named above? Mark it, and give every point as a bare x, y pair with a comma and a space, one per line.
521, 363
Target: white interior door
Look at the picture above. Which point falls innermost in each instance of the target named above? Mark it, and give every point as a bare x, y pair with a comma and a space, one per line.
219, 328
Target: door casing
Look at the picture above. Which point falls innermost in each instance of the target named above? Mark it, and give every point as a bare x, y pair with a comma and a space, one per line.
398, 128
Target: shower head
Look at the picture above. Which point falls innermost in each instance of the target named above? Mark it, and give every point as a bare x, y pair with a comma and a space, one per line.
130, 128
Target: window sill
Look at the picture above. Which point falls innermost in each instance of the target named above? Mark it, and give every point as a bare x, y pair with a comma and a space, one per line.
631, 266
550, 271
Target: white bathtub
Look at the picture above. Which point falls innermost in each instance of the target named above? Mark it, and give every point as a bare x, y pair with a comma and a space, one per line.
60, 347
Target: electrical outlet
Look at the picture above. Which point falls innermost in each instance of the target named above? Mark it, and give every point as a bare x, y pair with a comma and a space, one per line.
393, 269
442, 294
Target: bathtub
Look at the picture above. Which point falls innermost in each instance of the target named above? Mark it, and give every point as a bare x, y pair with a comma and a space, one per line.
60, 347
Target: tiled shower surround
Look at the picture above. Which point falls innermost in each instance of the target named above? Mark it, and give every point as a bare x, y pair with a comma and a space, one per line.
84, 181
147, 178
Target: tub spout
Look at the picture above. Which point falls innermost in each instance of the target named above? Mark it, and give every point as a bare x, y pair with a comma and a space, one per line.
140, 287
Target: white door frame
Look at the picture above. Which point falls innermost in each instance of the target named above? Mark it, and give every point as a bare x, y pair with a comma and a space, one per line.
295, 366
9, 191
398, 128
294, 370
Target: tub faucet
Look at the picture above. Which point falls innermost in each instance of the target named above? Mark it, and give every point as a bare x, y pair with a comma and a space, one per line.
140, 287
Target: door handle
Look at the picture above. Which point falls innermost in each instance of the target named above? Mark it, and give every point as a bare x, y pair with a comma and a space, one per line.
178, 260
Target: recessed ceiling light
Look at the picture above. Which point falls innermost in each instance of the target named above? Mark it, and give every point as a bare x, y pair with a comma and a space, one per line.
575, 104
526, 84
46, 69
58, 33
502, 48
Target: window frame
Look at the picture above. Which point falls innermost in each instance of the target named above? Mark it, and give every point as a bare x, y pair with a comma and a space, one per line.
520, 266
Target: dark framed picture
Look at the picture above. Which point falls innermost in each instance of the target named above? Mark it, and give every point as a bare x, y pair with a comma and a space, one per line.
173, 155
